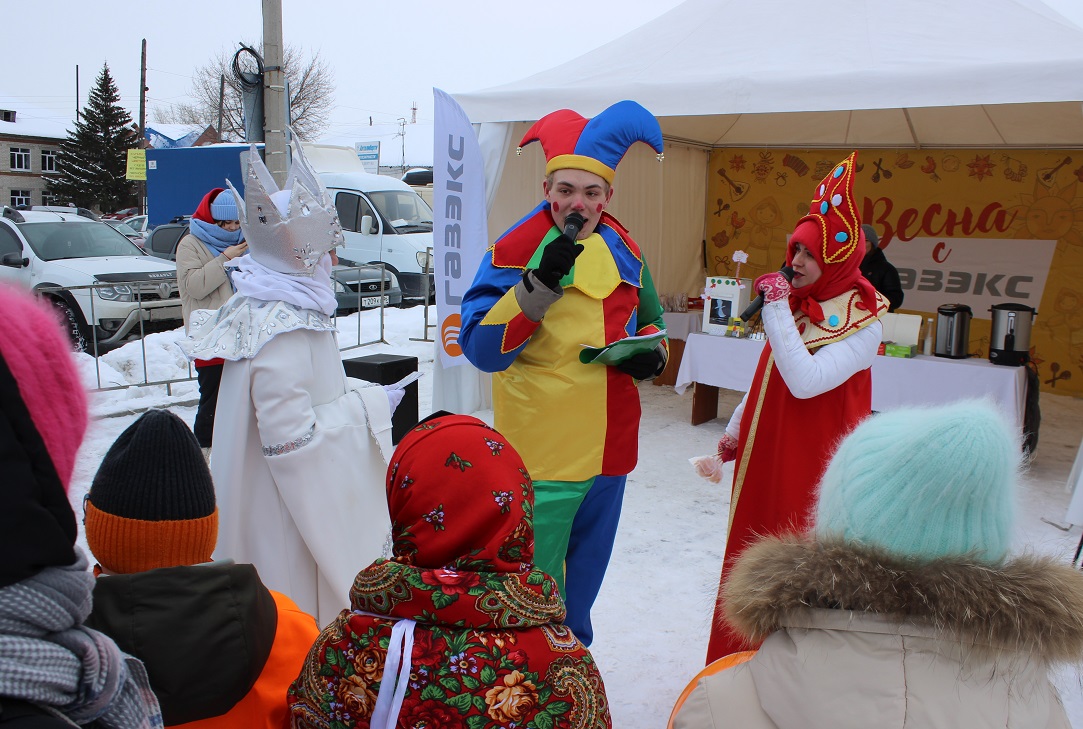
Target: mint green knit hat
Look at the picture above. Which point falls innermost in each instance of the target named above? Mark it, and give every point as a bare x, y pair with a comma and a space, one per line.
925, 483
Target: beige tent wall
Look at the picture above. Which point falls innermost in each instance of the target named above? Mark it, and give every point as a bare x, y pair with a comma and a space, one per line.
661, 204
1039, 194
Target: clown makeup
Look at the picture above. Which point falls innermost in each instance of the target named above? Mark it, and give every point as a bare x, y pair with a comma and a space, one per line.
806, 268
578, 191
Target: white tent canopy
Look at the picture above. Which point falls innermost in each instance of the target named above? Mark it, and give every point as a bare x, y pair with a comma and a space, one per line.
785, 73
852, 73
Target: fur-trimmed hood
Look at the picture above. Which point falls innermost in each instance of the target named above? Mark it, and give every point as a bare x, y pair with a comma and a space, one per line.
1030, 605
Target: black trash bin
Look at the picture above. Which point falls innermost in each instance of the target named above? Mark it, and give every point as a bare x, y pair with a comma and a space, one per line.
387, 369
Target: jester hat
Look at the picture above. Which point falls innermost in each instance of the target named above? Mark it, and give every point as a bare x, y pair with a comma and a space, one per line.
832, 233
596, 145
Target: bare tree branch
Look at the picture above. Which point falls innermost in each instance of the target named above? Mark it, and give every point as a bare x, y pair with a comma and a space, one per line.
311, 86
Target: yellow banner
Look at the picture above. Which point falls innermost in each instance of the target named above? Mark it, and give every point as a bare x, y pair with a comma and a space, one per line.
917, 199
137, 165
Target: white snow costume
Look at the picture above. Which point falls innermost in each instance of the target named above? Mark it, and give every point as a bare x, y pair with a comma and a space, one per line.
300, 450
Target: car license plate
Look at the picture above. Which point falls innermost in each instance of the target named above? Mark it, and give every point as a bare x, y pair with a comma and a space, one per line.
374, 301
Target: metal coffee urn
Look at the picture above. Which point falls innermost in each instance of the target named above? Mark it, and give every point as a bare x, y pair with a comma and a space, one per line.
1009, 339
953, 331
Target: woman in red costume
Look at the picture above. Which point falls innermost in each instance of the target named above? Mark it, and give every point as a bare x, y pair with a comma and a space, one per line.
812, 384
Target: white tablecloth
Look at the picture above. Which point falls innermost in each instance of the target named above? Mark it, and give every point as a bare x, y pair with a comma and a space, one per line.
896, 381
679, 324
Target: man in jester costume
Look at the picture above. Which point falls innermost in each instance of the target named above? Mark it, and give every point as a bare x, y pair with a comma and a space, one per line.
812, 385
537, 298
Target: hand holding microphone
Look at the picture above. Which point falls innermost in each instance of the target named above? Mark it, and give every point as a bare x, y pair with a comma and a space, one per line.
559, 256
772, 287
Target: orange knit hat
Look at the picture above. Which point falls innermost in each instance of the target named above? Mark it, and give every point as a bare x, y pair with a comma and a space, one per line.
152, 501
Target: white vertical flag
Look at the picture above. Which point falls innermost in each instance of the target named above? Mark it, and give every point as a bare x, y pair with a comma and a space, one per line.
459, 233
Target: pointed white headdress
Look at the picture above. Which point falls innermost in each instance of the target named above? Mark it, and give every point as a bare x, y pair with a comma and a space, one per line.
292, 242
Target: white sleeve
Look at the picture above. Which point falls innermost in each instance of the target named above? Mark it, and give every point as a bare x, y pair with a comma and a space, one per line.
807, 375
733, 427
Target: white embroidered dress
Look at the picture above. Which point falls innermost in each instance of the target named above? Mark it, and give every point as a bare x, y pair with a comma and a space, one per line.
300, 451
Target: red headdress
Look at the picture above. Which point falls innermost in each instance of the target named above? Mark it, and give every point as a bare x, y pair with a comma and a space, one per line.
832, 233
457, 629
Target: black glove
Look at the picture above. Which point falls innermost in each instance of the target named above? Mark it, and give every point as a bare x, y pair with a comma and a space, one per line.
557, 259
643, 366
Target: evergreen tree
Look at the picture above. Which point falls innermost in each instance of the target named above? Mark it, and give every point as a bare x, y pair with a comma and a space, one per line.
93, 159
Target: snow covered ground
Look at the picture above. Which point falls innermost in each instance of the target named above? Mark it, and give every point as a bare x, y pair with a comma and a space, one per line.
651, 619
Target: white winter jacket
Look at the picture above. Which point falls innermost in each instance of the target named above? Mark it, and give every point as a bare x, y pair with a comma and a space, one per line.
856, 640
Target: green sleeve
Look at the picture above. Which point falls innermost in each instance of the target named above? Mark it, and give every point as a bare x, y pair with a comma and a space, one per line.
650, 308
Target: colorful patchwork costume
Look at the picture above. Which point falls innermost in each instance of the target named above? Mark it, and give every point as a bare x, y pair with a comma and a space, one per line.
576, 425
811, 387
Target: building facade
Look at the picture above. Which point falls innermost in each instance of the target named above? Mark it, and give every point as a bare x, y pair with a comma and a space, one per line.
28, 156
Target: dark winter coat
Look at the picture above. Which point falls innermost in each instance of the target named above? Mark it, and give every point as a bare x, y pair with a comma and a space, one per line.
855, 638
213, 638
881, 274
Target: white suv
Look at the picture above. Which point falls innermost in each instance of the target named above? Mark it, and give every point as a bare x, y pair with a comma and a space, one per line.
46, 251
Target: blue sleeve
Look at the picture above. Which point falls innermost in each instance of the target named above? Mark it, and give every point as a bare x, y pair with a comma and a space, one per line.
482, 337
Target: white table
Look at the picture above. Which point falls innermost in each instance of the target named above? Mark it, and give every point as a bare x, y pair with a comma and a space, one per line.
679, 324
712, 361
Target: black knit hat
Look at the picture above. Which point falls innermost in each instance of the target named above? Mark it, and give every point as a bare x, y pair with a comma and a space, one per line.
152, 501
870, 235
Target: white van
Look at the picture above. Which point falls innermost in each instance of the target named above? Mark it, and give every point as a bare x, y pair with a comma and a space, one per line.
383, 219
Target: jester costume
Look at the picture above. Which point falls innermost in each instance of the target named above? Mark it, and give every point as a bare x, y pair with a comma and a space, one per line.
799, 405
576, 425
457, 629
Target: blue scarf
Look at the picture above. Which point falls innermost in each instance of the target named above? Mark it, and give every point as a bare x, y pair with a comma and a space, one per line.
215, 238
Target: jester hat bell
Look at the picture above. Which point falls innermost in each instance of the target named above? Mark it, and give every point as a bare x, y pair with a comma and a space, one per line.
596, 145
834, 213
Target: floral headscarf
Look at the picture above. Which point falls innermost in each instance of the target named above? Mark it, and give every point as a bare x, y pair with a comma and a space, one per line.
481, 630
832, 234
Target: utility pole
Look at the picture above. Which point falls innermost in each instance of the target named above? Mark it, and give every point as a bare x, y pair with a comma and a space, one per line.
77, 92
143, 122
274, 91
402, 133
221, 102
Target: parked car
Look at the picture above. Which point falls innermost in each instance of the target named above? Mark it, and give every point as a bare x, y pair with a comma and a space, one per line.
121, 214
130, 233
139, 224
356, 286
55, 253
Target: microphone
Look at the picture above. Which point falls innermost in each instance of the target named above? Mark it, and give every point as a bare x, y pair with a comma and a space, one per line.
572, 225
757, 303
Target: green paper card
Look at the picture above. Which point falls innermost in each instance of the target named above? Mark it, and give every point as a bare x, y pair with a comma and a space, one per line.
620, 350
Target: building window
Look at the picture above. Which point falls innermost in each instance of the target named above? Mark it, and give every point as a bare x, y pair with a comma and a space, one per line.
20, 197
49, 198
20, 159
48, 160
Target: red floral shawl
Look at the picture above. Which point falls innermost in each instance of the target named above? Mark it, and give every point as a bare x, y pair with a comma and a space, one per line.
489, 646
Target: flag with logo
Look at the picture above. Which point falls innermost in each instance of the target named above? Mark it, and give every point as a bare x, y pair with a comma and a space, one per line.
459, 232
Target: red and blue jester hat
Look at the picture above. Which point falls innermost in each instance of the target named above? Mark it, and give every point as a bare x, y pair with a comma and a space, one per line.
597, 145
